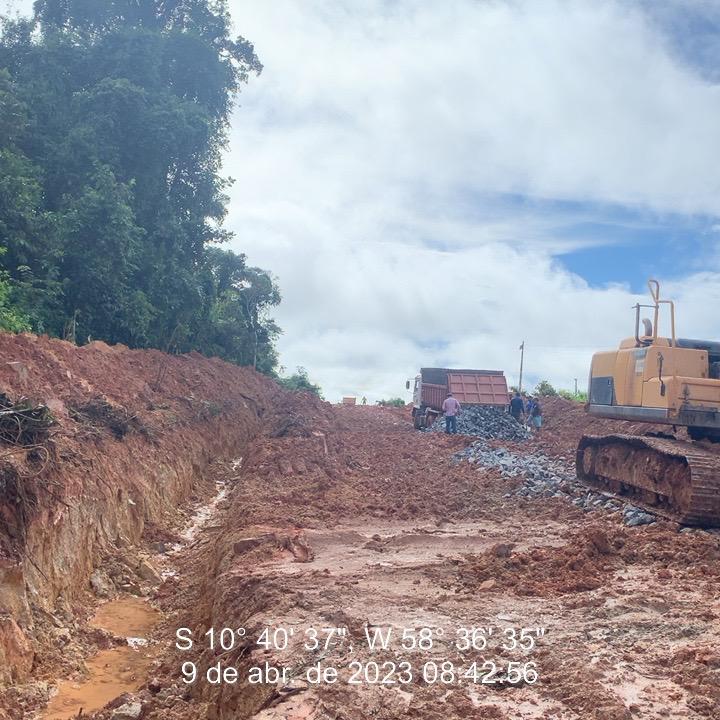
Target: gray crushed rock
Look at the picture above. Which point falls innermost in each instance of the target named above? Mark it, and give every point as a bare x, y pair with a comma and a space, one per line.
485, 422
544, 476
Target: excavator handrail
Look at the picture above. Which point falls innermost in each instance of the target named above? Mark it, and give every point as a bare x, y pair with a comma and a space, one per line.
654, 287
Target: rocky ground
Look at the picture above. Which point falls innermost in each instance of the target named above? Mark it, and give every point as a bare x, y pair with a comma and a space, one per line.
393, 573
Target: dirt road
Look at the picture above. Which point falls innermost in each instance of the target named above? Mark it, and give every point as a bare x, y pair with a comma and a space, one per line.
206, 545
498, 606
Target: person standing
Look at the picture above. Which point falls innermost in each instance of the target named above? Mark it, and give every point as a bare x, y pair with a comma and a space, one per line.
528, 409
517, 407
536, 415
451, 408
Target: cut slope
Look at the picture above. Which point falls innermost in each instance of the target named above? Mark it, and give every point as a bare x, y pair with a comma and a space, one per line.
134, 432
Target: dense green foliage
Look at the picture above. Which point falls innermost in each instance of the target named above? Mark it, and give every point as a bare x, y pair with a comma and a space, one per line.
11, 317
300, 381
392, 402
544, 389
113, 119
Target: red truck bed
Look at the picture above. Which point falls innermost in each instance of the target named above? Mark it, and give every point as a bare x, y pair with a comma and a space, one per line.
433, 395
470, 387
479, 389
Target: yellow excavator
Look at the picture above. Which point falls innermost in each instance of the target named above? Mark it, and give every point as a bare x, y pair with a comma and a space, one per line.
658, 380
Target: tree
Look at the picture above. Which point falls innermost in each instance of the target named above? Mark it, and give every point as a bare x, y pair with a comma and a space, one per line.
392, 402
113, 119
299, 381
24, 227
11, 318
239, 328
580, 397
545, 389
99, 265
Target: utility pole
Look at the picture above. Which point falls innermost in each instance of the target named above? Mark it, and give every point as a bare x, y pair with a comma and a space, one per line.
522, 358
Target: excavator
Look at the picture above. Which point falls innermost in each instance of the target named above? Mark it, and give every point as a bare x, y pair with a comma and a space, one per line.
666, 381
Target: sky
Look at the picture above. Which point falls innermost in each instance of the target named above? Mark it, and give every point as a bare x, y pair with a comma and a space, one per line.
433, 183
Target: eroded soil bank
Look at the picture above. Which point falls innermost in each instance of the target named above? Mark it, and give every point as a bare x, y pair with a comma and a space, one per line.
134, 433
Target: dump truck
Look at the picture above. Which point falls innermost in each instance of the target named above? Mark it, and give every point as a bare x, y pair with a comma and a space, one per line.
470, 387
666, 381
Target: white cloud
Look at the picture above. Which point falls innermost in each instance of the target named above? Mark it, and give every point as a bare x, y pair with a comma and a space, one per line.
371, 152
574, 100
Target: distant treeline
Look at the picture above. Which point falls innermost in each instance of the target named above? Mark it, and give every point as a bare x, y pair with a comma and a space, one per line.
113, 119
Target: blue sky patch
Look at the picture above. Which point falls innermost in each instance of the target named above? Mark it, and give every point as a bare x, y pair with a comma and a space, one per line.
631, 253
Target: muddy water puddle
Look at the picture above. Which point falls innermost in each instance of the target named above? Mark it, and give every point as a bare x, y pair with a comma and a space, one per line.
110, 672
127, 617
124, 668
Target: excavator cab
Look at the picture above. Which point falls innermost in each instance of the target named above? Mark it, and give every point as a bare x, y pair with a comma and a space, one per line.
660, 380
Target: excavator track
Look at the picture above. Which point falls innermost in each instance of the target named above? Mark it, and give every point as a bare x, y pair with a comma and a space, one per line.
674, 478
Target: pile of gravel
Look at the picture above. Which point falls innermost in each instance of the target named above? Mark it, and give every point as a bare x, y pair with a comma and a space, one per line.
543, 476
485, 422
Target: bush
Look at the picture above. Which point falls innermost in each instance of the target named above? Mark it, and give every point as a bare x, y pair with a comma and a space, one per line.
299, 381
545, 389
581, 397
392, 402
12, 318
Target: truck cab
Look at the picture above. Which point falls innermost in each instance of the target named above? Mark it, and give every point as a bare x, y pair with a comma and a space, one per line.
417, 389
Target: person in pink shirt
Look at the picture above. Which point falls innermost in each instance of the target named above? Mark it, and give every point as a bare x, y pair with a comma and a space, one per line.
451, 408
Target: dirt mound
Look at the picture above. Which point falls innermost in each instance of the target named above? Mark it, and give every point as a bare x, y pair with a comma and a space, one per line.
696, 669
576, 567
584, 562
565, 422
314, 479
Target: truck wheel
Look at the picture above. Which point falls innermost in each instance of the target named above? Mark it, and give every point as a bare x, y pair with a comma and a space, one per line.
418, 422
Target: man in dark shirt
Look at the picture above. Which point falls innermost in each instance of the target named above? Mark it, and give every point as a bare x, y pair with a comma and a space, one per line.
516, 407
536, 416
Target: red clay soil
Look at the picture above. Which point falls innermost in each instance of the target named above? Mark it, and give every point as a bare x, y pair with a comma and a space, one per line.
565, 422
373, 524
584, 562
347, 517
132, 436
